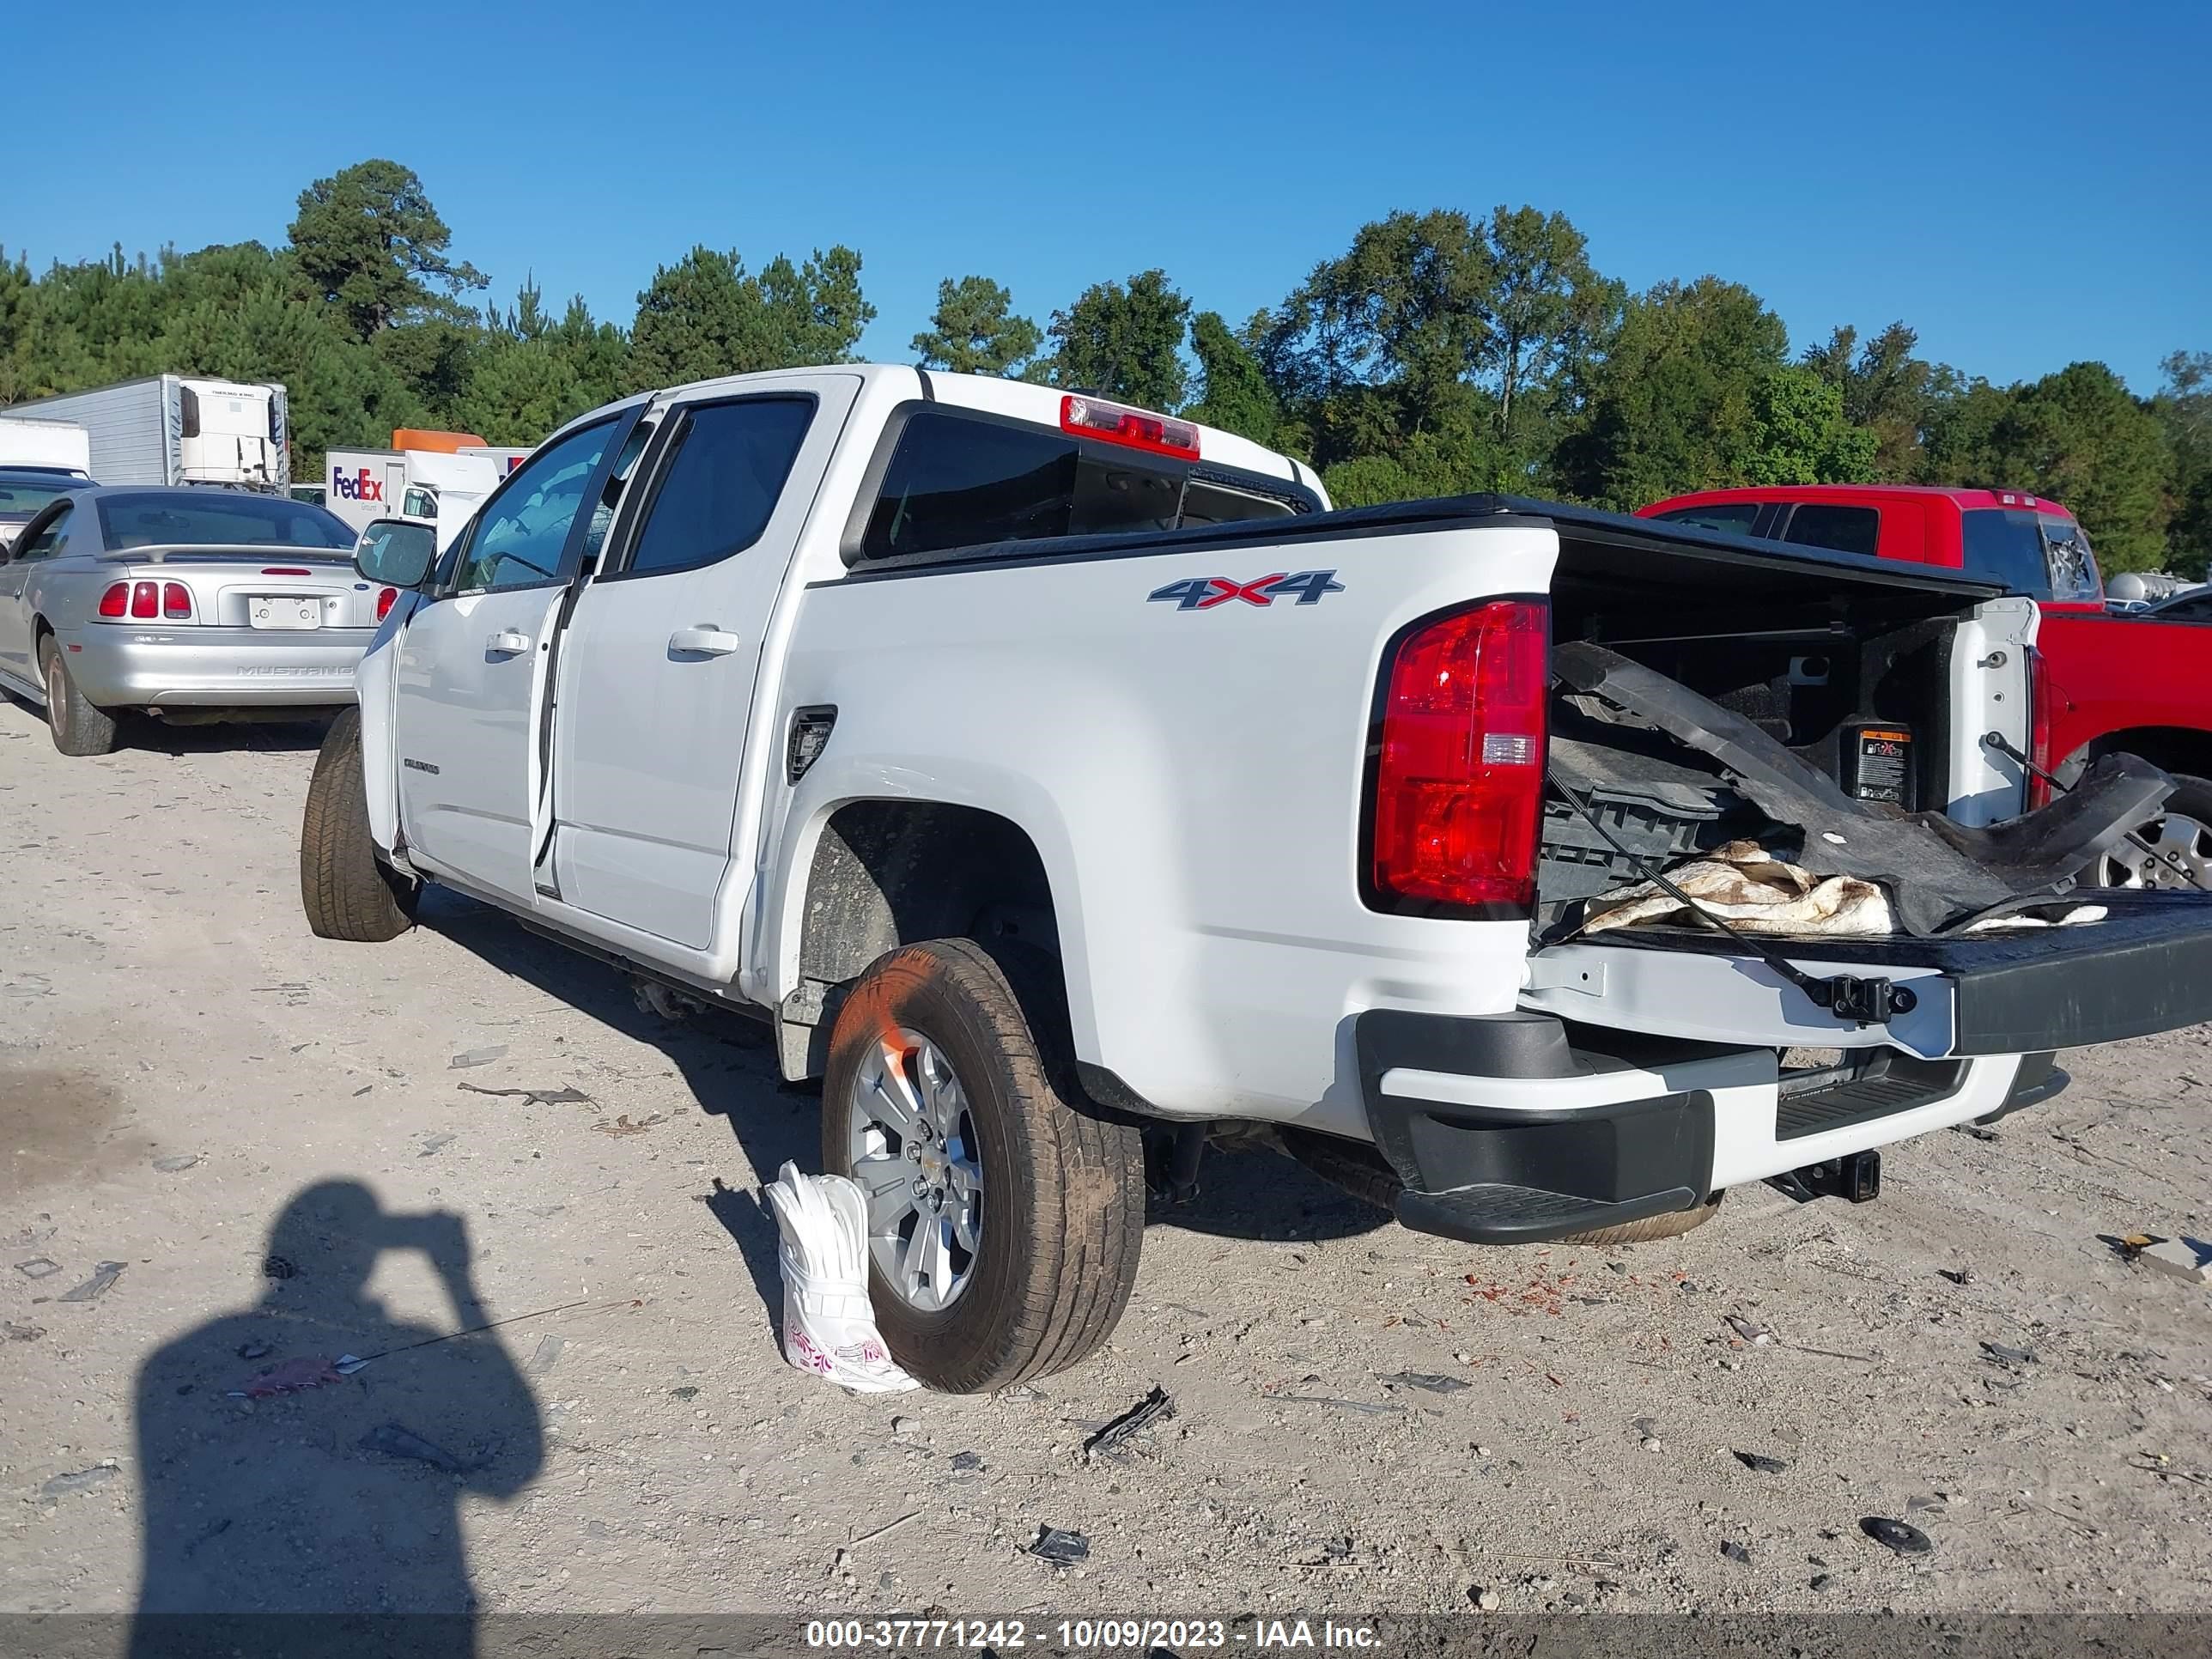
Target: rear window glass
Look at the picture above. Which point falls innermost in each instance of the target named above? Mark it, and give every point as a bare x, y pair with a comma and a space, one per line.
2066, 555
1735, 517
2005, 545
19, 497
716, 496
217, 519
957, 481
1844, 529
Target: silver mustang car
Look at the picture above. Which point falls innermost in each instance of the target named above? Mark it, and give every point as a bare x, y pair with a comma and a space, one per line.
187, 605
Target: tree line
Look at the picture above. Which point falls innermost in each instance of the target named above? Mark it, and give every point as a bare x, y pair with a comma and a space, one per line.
1441, 352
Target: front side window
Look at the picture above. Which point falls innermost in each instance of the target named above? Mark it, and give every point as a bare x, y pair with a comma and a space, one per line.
1844, 529
2004, 544
517, 539
217, 517
50, 542
718, 491
21, 496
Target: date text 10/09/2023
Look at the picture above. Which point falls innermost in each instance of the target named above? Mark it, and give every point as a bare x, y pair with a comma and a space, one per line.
1006, 1635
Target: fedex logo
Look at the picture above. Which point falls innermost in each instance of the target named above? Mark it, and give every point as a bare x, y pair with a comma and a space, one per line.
361, 486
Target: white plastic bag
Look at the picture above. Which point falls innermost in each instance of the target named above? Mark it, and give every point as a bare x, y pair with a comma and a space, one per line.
828, 1326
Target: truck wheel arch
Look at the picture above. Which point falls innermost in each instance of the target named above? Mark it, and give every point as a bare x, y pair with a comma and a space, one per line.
890, 872
2174, 748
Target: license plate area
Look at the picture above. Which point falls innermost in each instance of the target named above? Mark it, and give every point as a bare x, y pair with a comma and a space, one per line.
283, 611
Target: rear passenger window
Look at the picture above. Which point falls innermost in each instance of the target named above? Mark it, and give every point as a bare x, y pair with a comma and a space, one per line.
1735, 517
717, 492
1845, 529
955, 481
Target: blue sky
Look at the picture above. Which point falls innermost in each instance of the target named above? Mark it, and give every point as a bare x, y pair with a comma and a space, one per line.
2026, 183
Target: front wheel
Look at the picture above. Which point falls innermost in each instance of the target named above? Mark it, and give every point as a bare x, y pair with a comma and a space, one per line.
2176, 848
345, 889
77, 726
1006, 1212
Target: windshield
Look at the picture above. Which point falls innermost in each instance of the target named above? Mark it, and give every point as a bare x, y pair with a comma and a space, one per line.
20, 497
174, 518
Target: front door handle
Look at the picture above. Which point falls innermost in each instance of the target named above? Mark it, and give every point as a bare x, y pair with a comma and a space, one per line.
508, 643
703, 641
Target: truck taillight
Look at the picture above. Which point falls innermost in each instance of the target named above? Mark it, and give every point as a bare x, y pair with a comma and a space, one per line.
1117, 423
176, 602
384, 601
1458, 785
145, 598
2043, 707
116, 600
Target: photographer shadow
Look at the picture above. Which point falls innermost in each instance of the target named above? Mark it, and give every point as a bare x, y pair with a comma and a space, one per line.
341, 1497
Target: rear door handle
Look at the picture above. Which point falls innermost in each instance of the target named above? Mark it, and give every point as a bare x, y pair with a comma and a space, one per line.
507, 642
704, 641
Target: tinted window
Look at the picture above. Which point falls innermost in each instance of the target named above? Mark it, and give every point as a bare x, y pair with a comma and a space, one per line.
1845, 529
217, 517
1735, 517
517, 539
955, 482
716, 493
2005, 545
19, 497
48, 542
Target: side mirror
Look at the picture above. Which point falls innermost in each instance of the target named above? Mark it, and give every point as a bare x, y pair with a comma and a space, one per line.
396, 552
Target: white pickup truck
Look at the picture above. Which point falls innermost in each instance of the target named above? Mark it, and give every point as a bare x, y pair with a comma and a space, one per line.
1041, 769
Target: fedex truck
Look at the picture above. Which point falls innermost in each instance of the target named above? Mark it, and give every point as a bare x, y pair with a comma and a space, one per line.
363, 485
179, 429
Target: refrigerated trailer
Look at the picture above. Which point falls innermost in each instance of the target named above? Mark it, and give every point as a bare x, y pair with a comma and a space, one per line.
179, 429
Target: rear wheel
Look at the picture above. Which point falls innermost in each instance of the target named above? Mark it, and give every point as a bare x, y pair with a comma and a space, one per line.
2177, 850
1006, 1212
78, 728
348, 892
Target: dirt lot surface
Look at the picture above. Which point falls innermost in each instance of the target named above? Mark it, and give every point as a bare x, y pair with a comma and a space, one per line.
274, 1139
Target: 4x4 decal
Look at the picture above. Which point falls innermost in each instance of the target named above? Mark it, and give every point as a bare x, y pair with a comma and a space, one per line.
1203, 592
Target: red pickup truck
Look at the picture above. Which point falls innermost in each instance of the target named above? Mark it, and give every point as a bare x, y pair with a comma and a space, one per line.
2103, 681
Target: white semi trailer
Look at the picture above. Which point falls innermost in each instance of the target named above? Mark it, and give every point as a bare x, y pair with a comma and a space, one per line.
179, 429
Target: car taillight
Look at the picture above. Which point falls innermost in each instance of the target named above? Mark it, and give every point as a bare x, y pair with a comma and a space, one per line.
1139, 429
116, 600
145, 598
285, 570
176, 601
1459, 775
2043, 707
384, 601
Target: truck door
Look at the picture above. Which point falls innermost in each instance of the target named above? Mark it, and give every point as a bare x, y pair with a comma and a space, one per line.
659, 663
470, 678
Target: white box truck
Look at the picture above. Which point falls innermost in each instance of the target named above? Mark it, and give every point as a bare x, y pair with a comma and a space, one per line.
177, 429
48, 446
363, 485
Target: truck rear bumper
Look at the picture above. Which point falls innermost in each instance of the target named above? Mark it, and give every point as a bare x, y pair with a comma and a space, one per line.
1503, 1133
151, 667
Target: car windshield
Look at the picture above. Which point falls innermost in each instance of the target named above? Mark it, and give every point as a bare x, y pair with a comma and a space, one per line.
20, 496
174, 518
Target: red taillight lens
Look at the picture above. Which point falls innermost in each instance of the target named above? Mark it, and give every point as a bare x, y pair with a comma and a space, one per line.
176, 601
384, 601
116, 600
1139, 429
286, 570
145, 598
1458, 782
2043, 706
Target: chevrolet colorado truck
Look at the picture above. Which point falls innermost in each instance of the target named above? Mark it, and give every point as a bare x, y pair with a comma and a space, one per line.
1043, 771
2104, 682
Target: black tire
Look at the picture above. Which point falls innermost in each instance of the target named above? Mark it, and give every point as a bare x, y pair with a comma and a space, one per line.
2190, 803
1360, 1170
77, 726
1064, 1183
348, 892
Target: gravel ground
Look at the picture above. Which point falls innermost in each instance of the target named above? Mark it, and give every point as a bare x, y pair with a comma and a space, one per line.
193, 1087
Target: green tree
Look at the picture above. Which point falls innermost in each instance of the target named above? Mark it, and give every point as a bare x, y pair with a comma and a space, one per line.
2183, 408
1803, 434
705, 316
1233, 390
973, 330
367, 240
1124, 343
1546, 315
2079, 437
1888, 388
